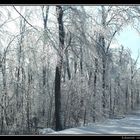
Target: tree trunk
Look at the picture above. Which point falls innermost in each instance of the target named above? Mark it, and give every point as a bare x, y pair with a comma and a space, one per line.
58, 123
67, 63
102, 42
45, 12
131, 90
85, 114
44, 91
110, 114
75, 67
95, 84
81, 59
28, 100
138, 97
103, 87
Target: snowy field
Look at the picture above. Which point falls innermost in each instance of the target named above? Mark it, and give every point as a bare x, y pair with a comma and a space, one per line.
128, 125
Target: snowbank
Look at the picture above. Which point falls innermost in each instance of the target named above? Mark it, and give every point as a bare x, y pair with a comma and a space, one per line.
45, 131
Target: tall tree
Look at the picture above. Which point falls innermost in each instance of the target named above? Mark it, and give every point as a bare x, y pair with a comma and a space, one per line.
58, 70
45, 12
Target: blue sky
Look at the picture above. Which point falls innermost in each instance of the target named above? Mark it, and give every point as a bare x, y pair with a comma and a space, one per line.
129, 38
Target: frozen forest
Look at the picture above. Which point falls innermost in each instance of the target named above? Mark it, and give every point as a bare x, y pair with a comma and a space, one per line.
59, 68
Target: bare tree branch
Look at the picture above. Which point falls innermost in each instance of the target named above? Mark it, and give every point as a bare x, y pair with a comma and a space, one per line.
24, 18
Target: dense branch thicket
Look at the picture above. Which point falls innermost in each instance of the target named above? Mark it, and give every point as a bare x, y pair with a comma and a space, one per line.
58, 68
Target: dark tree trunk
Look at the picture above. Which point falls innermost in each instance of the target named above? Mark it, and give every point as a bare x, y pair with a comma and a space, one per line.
17, 88
67, 63
45, 12
103, 87
90, 75
28, 100
131, 88
85, 114
58, 123
126, 99
110, 115
44, 92
102, 42
75, 67
81, 60
95, 84
138, 96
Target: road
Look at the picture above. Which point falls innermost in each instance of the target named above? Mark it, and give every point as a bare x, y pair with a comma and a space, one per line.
128, 125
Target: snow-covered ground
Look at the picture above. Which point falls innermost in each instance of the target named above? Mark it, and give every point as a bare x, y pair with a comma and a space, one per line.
128, 125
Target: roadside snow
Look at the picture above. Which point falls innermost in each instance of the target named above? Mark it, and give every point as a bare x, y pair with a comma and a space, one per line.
128, 125
45, 131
